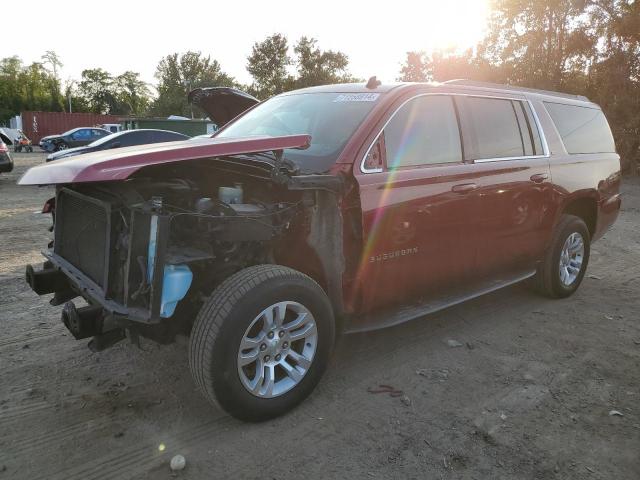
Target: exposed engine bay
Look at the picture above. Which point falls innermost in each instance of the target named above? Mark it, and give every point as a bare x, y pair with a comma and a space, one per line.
145, 252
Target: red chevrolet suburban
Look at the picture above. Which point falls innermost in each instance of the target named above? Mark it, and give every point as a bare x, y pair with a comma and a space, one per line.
339, 208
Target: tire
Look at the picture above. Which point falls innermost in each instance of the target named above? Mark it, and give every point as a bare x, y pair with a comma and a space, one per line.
232, 314
61, 146
549, 279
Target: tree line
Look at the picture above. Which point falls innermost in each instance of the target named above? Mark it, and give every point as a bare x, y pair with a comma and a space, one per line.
38, 87
586, 47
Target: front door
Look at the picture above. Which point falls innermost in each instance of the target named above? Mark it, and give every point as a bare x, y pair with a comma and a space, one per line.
418, 208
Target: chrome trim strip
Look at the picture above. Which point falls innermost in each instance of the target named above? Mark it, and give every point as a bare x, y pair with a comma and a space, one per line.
501, 159
543, 137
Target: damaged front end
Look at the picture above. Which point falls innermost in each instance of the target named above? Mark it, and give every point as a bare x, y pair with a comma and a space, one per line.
135, 257
144, 253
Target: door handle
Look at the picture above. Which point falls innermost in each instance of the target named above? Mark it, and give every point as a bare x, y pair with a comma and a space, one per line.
464, 188
539, 177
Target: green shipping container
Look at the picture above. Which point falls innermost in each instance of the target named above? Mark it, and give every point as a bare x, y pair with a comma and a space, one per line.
187, 127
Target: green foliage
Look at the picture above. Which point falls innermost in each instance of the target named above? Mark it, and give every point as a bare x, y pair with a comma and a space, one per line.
269, 61
317, 67
125, 94
132, 94
268, 64
97, 89
30, 87
416, 68
178, 74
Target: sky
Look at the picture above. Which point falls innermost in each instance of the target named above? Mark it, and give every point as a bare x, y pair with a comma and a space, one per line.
134, 35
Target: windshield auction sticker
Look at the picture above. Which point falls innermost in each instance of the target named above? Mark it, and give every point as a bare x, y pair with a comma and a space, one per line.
357, 97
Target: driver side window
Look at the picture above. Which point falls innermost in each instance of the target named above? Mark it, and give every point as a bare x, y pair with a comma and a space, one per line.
423, 132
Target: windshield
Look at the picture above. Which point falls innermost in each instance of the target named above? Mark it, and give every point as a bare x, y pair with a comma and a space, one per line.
330, 119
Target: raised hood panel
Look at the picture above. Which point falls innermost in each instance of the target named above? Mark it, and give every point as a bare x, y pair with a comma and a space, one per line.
222, 104
121, 163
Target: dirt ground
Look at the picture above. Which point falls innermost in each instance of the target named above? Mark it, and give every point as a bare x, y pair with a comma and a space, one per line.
529, 393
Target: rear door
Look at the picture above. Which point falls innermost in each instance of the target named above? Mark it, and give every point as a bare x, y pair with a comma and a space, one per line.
512, 185
418, 206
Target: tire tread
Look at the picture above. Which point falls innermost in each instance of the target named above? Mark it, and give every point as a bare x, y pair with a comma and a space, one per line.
216, 309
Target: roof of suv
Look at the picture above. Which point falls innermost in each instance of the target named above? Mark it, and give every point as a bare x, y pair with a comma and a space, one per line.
471, 84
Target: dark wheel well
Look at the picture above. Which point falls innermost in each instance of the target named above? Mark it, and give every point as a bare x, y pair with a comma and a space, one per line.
586, 209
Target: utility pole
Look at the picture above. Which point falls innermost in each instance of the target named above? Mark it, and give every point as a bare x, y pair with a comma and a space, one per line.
69, 89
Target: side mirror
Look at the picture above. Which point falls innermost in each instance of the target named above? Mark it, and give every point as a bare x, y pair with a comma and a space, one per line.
115, 145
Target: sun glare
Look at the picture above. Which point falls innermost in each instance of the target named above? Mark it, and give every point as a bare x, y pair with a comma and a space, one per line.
441, 25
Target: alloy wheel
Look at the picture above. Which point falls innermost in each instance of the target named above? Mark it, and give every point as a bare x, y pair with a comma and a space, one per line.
571, 258
277, 349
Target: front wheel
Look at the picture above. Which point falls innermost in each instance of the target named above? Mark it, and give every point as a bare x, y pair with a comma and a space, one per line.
565, 263
262, 341
61, 146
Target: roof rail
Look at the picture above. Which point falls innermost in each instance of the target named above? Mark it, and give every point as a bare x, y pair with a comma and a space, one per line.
475, 83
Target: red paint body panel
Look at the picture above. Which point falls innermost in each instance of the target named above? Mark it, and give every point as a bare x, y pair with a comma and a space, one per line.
119, 164
420, 239
36, 125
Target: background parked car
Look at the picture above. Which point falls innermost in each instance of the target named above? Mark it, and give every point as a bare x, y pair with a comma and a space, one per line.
6, 164
76, 137
112, 127
126, 138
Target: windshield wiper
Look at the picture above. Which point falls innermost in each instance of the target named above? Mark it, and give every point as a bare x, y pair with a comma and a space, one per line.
276, 159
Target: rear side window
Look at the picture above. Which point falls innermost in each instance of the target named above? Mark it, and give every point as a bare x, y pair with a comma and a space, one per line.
582, 129
423, 132
496, 131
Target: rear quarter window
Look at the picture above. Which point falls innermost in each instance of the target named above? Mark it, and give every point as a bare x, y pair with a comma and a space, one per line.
582, 129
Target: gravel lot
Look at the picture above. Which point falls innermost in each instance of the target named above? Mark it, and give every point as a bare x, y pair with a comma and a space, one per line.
528, 394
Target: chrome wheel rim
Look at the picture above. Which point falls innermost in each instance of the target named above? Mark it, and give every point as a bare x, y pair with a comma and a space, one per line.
571, 259
62, 147
277, 349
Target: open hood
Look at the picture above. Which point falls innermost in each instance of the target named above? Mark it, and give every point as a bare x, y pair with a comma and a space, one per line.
121, 163
222, 104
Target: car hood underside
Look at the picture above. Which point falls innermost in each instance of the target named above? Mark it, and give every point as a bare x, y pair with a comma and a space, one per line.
120, 164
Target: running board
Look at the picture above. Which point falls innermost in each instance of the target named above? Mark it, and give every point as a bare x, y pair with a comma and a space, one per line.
392, 317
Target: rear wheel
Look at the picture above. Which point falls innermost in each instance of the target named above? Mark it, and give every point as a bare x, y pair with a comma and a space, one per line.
262, 341
565, 263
